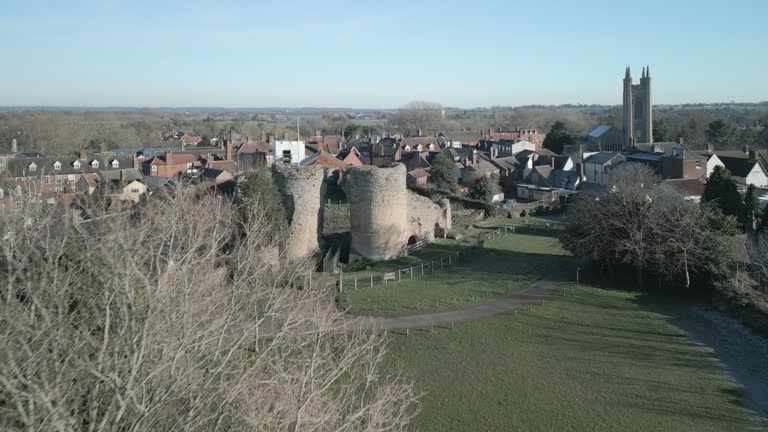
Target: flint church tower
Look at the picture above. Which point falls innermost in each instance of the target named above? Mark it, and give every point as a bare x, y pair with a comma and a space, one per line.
638, 111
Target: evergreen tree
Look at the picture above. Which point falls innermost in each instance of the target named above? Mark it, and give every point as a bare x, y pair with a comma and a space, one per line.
482, 190
722, 192
557, 138
443, 173
751, 206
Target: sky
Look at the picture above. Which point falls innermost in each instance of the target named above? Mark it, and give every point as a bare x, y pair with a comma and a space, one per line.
383, 54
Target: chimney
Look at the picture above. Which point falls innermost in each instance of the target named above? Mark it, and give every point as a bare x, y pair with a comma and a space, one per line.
134, 160
474, 158
14, 146
270, 139
680, 140
419, 133
493, 153
221, 142
229, 151
552, 162
710, 148
263, 135
83, 156
168, 157
752, 155
182, 144
580, 170
318, 132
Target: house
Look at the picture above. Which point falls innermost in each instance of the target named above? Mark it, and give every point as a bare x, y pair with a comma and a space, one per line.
288, 152
328, 160
506, 147
217, 176
597, 166
712, 161
689, 189
607, 138
463, 138
332, 144
419, 144
131, 191
385, 152
351, 156
746, 167
528, 134
190, 140
418, 177
682, 164
173, 165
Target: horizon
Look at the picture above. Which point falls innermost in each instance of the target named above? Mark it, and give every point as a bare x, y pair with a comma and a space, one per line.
361, 56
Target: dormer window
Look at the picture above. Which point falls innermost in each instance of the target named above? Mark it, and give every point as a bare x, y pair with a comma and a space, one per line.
76, 164
94, 164
115, 164
32, 167
57, 165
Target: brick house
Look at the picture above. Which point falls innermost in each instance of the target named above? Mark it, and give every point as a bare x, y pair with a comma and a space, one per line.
683, 164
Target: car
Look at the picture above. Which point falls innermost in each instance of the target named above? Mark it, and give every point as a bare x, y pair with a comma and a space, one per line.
507, 203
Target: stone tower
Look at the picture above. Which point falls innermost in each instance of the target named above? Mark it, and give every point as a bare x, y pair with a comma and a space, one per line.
638, 109
378, 211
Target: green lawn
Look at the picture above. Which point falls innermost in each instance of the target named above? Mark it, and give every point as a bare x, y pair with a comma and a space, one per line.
553, 221
595, 360
439, 247
506, 265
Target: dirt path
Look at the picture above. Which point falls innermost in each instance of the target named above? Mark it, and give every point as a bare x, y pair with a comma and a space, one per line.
541, 290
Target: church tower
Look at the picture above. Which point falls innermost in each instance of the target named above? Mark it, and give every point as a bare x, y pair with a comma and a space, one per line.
638, 109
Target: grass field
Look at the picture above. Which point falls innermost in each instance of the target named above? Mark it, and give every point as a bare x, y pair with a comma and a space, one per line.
439, 247
596, 360
505, 266
553, 221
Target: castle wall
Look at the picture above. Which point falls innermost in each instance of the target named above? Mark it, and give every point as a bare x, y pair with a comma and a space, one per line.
427, 219
378, 215
302, 189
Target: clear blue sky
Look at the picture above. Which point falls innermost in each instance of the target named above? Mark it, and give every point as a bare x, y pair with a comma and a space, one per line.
377, 54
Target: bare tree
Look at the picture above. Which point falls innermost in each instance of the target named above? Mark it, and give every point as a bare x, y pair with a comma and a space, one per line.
419, 116
179, 316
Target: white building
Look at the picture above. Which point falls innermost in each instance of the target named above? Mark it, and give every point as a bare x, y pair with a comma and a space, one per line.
288, 152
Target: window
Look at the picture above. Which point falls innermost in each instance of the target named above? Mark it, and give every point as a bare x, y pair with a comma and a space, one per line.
76, 165
94, 164
154, 168
57, 165
59, 179
71, 178
59, 189
18, 190
134, 190
115, 164
32, 167
698, 164
286, 156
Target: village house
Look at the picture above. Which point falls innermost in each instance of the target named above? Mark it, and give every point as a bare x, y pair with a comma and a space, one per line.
462, 138
351, 156
597, 166
682, 164
529, 134
747, 167
385, 152
688, 189
332, 144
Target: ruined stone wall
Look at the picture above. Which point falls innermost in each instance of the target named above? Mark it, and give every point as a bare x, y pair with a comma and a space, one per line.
303, 190
427, 219
378, 216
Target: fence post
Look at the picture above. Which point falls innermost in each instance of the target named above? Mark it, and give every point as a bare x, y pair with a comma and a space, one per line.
411, 272
398, 275
371, 281
422, 269
355, 282
341, 281
449, 260
513, 228
577, 277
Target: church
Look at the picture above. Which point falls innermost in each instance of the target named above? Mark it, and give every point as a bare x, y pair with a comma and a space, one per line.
638, 109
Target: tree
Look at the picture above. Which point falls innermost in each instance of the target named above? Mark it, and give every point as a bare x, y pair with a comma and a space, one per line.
419, 116
721, 134
179, 316
483, 189
635, 223
557, 138
722, 191
258, 190
660, 133
443, 173
751, 206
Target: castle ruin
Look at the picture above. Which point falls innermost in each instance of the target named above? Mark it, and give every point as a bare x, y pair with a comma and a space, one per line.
303, 190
